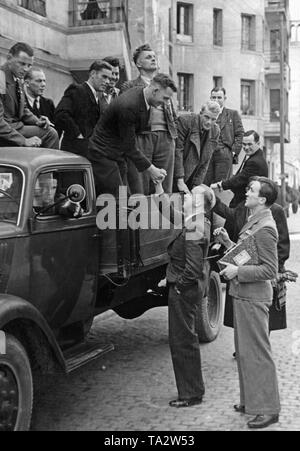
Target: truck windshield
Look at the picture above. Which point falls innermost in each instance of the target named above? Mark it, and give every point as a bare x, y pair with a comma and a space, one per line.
10, 193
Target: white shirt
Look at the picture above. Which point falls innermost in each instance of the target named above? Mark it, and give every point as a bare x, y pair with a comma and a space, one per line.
31, 100
146, 101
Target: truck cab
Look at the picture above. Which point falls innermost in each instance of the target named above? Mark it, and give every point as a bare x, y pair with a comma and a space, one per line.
57, 272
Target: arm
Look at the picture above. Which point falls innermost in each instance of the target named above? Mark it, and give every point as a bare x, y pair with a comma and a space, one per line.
193, 270
266, 241
183, 133
238, 133
28, 117
240, 181
283, 246
222, 210
64, 115
7, 132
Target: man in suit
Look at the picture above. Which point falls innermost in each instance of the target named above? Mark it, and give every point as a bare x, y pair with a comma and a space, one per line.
111, 92
252, 293
79, 110
157, 143
18, 125
114, 139
230, 142
197, 141
34, 86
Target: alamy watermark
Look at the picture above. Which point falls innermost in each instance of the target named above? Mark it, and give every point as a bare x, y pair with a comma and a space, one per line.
164, 212
2, 343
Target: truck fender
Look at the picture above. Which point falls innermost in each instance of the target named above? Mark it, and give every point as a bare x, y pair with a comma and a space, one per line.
13, 308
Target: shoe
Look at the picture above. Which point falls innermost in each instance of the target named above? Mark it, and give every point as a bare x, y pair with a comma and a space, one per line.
262, 421
185, 402
239, 408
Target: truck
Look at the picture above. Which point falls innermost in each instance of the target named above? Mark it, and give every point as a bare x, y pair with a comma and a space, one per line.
58, 272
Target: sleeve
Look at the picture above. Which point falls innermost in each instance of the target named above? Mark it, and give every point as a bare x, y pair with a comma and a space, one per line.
223, 210
266, 241
65, 114
7, 132
125, 86
283, 246
193, 270
127, 123
28, 117
240, 181
238, 133
183, 132
168, 210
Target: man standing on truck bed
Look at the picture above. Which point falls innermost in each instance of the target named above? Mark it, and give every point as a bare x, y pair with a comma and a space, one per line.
19, 127
114, 138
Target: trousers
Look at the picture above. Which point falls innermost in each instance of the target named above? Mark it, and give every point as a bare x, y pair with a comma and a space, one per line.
49, 136
257, 373
184, 342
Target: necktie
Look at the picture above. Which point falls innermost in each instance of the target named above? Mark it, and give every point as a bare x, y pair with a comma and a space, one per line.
243, 163
18, 91
35, 108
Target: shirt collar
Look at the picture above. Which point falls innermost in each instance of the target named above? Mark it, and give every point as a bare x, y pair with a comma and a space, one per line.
146, 80
93, 91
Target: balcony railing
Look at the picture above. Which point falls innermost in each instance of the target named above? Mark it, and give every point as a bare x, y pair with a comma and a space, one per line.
94, 12
36, 6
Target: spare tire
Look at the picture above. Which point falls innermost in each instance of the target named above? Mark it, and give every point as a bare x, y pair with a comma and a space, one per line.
210, 313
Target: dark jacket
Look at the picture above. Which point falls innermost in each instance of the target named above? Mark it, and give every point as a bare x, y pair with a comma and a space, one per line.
77, 112
256, 165
239, 215
115, 134
192, 160
47, 108
170, 113
232, 130
13, 115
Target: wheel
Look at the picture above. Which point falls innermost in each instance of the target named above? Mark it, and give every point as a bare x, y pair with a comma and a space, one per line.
16, 387
209, 316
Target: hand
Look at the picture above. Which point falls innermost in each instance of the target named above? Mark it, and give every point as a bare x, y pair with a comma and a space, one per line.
223, 237
35, 141
159, 189
230, 272
182, 186
43, 122
217, 186
157, 175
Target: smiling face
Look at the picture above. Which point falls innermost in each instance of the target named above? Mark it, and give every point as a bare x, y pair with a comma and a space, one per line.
208, 119
115, 77
249, 145
20, 64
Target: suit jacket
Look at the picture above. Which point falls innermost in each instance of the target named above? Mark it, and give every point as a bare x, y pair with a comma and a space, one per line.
256, 165
115, 134
47, 108
13, 116
104, 101
232, 130
77, 113
239, 216
170, 113
189, 156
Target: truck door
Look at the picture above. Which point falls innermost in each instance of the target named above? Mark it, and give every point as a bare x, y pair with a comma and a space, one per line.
63, 250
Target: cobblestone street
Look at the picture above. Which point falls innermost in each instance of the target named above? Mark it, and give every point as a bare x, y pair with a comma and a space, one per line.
129, 388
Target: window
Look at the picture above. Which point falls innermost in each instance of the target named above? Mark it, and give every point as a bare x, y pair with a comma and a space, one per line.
185, 92
248, 97
275, 105
185, 22
218, 82
248, 32
11, 183
36, 6
275, 45
218, 27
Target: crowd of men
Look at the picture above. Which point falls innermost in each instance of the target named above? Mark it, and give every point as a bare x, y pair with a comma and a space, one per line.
133, 136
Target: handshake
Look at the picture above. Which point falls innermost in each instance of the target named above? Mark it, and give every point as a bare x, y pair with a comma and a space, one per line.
157, 175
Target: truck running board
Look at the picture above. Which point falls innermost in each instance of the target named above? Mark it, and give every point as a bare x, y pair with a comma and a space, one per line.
84, 353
